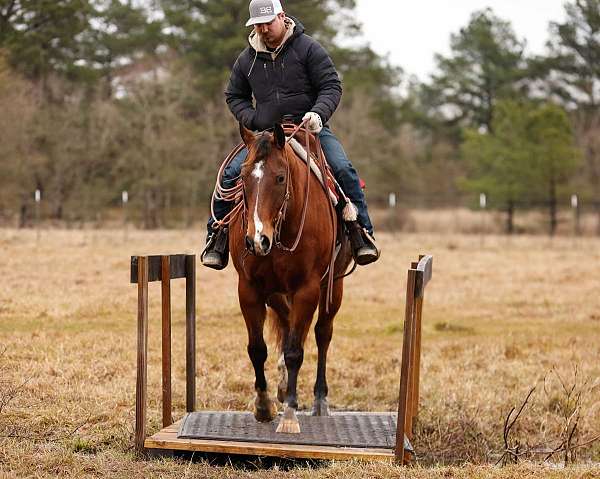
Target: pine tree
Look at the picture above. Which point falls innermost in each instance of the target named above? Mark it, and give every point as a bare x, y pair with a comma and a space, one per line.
530, 156
123, 34
43, 36
485, 65
571, 73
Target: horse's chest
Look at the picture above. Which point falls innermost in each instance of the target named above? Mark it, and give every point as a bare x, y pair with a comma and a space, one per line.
277, 278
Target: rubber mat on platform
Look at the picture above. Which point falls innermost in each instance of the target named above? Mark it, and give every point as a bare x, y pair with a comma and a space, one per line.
362, 430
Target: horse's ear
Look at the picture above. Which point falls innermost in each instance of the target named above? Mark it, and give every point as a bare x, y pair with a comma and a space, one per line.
279, 136
247, 136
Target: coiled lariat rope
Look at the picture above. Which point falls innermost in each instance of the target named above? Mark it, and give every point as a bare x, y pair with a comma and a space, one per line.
232, 195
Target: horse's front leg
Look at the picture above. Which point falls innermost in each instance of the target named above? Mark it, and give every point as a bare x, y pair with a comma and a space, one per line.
254, 312
304, 304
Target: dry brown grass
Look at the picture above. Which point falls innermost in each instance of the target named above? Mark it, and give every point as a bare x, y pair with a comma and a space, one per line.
499, 318
470, 221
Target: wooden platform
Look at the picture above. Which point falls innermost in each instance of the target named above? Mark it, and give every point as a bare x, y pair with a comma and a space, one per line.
166, 440
164, 268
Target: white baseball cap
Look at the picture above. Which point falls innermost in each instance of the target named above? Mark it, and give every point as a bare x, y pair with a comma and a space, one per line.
263, 11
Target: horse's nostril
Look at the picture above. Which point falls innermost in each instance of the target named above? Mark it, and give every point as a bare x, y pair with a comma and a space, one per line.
249, 244
265, 243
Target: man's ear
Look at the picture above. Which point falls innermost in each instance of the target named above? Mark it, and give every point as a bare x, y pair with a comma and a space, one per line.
247, 136
279, 136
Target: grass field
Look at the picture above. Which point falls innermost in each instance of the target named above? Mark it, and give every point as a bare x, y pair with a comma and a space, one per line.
501, 316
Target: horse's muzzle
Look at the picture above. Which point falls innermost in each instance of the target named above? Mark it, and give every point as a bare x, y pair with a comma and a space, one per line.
260, 248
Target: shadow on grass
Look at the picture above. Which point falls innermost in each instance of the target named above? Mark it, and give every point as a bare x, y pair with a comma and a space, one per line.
245, 462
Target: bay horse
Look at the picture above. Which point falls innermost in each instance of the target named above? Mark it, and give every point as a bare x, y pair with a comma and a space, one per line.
284, 205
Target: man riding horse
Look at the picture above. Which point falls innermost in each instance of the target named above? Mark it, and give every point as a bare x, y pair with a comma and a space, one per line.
292, 78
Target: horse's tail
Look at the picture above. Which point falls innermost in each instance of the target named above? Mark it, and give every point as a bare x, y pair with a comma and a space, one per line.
276, 325
277, 319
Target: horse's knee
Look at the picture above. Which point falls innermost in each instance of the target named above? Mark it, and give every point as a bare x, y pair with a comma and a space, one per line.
324, 331
293, 357
257, 353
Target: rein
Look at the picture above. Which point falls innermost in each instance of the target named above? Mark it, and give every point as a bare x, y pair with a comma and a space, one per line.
283, 209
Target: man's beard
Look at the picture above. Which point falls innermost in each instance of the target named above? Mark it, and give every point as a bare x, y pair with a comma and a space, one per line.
271, 40
268, 40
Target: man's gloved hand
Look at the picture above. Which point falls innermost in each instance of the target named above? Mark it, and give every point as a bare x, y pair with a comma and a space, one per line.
314, 123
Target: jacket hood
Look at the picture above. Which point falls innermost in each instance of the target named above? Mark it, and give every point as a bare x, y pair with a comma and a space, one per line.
294, 30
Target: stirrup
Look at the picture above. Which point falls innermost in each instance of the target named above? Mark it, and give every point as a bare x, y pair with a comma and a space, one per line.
216, 252
364, 248
368, 253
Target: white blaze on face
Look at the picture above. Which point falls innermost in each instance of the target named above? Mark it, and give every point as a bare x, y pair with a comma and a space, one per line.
258, 226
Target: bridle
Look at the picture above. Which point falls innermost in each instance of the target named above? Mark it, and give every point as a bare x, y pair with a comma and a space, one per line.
237, 193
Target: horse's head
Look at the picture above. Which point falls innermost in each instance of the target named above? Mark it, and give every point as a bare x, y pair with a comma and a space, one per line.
265, 175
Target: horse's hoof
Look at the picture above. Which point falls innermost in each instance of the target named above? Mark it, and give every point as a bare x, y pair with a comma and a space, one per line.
289, 422
265, 412
288, 426
320, 408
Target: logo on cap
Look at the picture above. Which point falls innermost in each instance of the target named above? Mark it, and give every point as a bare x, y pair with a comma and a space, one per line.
263, 11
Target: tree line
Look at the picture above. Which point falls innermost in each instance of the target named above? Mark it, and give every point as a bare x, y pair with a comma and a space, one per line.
102, 96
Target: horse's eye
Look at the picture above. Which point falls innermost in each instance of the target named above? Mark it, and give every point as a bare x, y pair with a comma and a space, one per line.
280, 179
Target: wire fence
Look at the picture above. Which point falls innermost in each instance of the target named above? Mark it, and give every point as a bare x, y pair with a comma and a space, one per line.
468, 214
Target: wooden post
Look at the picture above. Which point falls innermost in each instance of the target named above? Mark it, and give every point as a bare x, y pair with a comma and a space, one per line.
166, 340
403, 398
408, 400
417, 355
141, 387
190, 332
410, 407
416, 363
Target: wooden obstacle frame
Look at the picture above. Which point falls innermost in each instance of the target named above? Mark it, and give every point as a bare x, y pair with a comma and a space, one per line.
419, 275
164, 268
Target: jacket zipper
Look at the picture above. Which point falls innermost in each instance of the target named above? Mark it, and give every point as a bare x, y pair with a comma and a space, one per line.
276, 85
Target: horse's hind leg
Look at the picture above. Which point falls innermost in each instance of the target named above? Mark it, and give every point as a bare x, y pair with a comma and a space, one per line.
323, 334
254, 312
304, 304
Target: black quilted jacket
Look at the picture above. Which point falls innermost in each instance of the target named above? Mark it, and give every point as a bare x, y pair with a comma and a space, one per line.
302, 78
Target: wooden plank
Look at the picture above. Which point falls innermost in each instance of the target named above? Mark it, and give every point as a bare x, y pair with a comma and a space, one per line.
190, 333
177, 267
166, 341
417, 356
168, 440
408, 426
403, 396
142, 355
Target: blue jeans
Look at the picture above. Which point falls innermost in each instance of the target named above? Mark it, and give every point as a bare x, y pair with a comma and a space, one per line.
344, 173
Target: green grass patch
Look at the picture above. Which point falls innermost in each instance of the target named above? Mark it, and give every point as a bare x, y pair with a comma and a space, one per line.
83, 446
448, 327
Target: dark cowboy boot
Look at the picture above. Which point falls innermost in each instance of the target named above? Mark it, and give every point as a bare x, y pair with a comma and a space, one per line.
364, 248
216, 253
